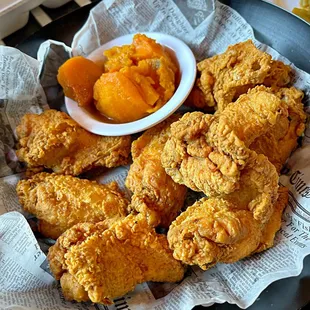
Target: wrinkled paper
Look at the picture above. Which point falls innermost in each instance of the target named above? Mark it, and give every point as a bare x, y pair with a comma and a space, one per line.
27, 85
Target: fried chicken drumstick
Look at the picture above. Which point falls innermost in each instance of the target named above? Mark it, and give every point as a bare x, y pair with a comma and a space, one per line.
59, 202
99, 262
155, 194
53, 140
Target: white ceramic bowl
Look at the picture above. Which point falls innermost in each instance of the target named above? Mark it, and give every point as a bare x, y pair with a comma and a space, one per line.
187, 68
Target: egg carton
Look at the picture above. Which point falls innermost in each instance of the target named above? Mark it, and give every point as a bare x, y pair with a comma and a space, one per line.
14, 14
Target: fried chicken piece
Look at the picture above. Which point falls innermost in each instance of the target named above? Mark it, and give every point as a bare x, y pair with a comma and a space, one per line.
279, 74
101, 262
71, 289
274, 223
208, 152
289, 126
54, 140
60, 202
241, 66
211, 231
216, 230
283, 136
196, 99
257, 188
224, 77
155, 194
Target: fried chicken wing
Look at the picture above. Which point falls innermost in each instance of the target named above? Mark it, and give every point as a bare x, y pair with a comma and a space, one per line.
224, 77
60, 202
216, 230
54, 140
155, 194
208, 152
101, 262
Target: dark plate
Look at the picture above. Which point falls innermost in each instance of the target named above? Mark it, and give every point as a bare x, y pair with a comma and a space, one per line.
279, 29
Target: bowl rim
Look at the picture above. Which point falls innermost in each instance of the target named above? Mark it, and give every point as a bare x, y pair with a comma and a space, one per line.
187, 80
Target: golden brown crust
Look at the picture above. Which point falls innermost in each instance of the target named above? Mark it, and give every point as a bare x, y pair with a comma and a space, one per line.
283, 136
53, 140
108, 261
217, 230
71, 289
155, 194
224, 77
274, 223
60, 202
210, 153
213, 230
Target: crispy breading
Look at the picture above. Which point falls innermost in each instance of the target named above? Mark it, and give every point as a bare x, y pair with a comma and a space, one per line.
108, 262
224, 77
223, 155
155, 194
211, 231
217, 230
274, 223
53, 140
60, 202
208, 152
71, 289
283, 136
257, 188
279, 74
288, 127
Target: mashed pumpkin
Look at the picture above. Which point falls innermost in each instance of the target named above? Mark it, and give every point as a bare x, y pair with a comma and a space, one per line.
138, 80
